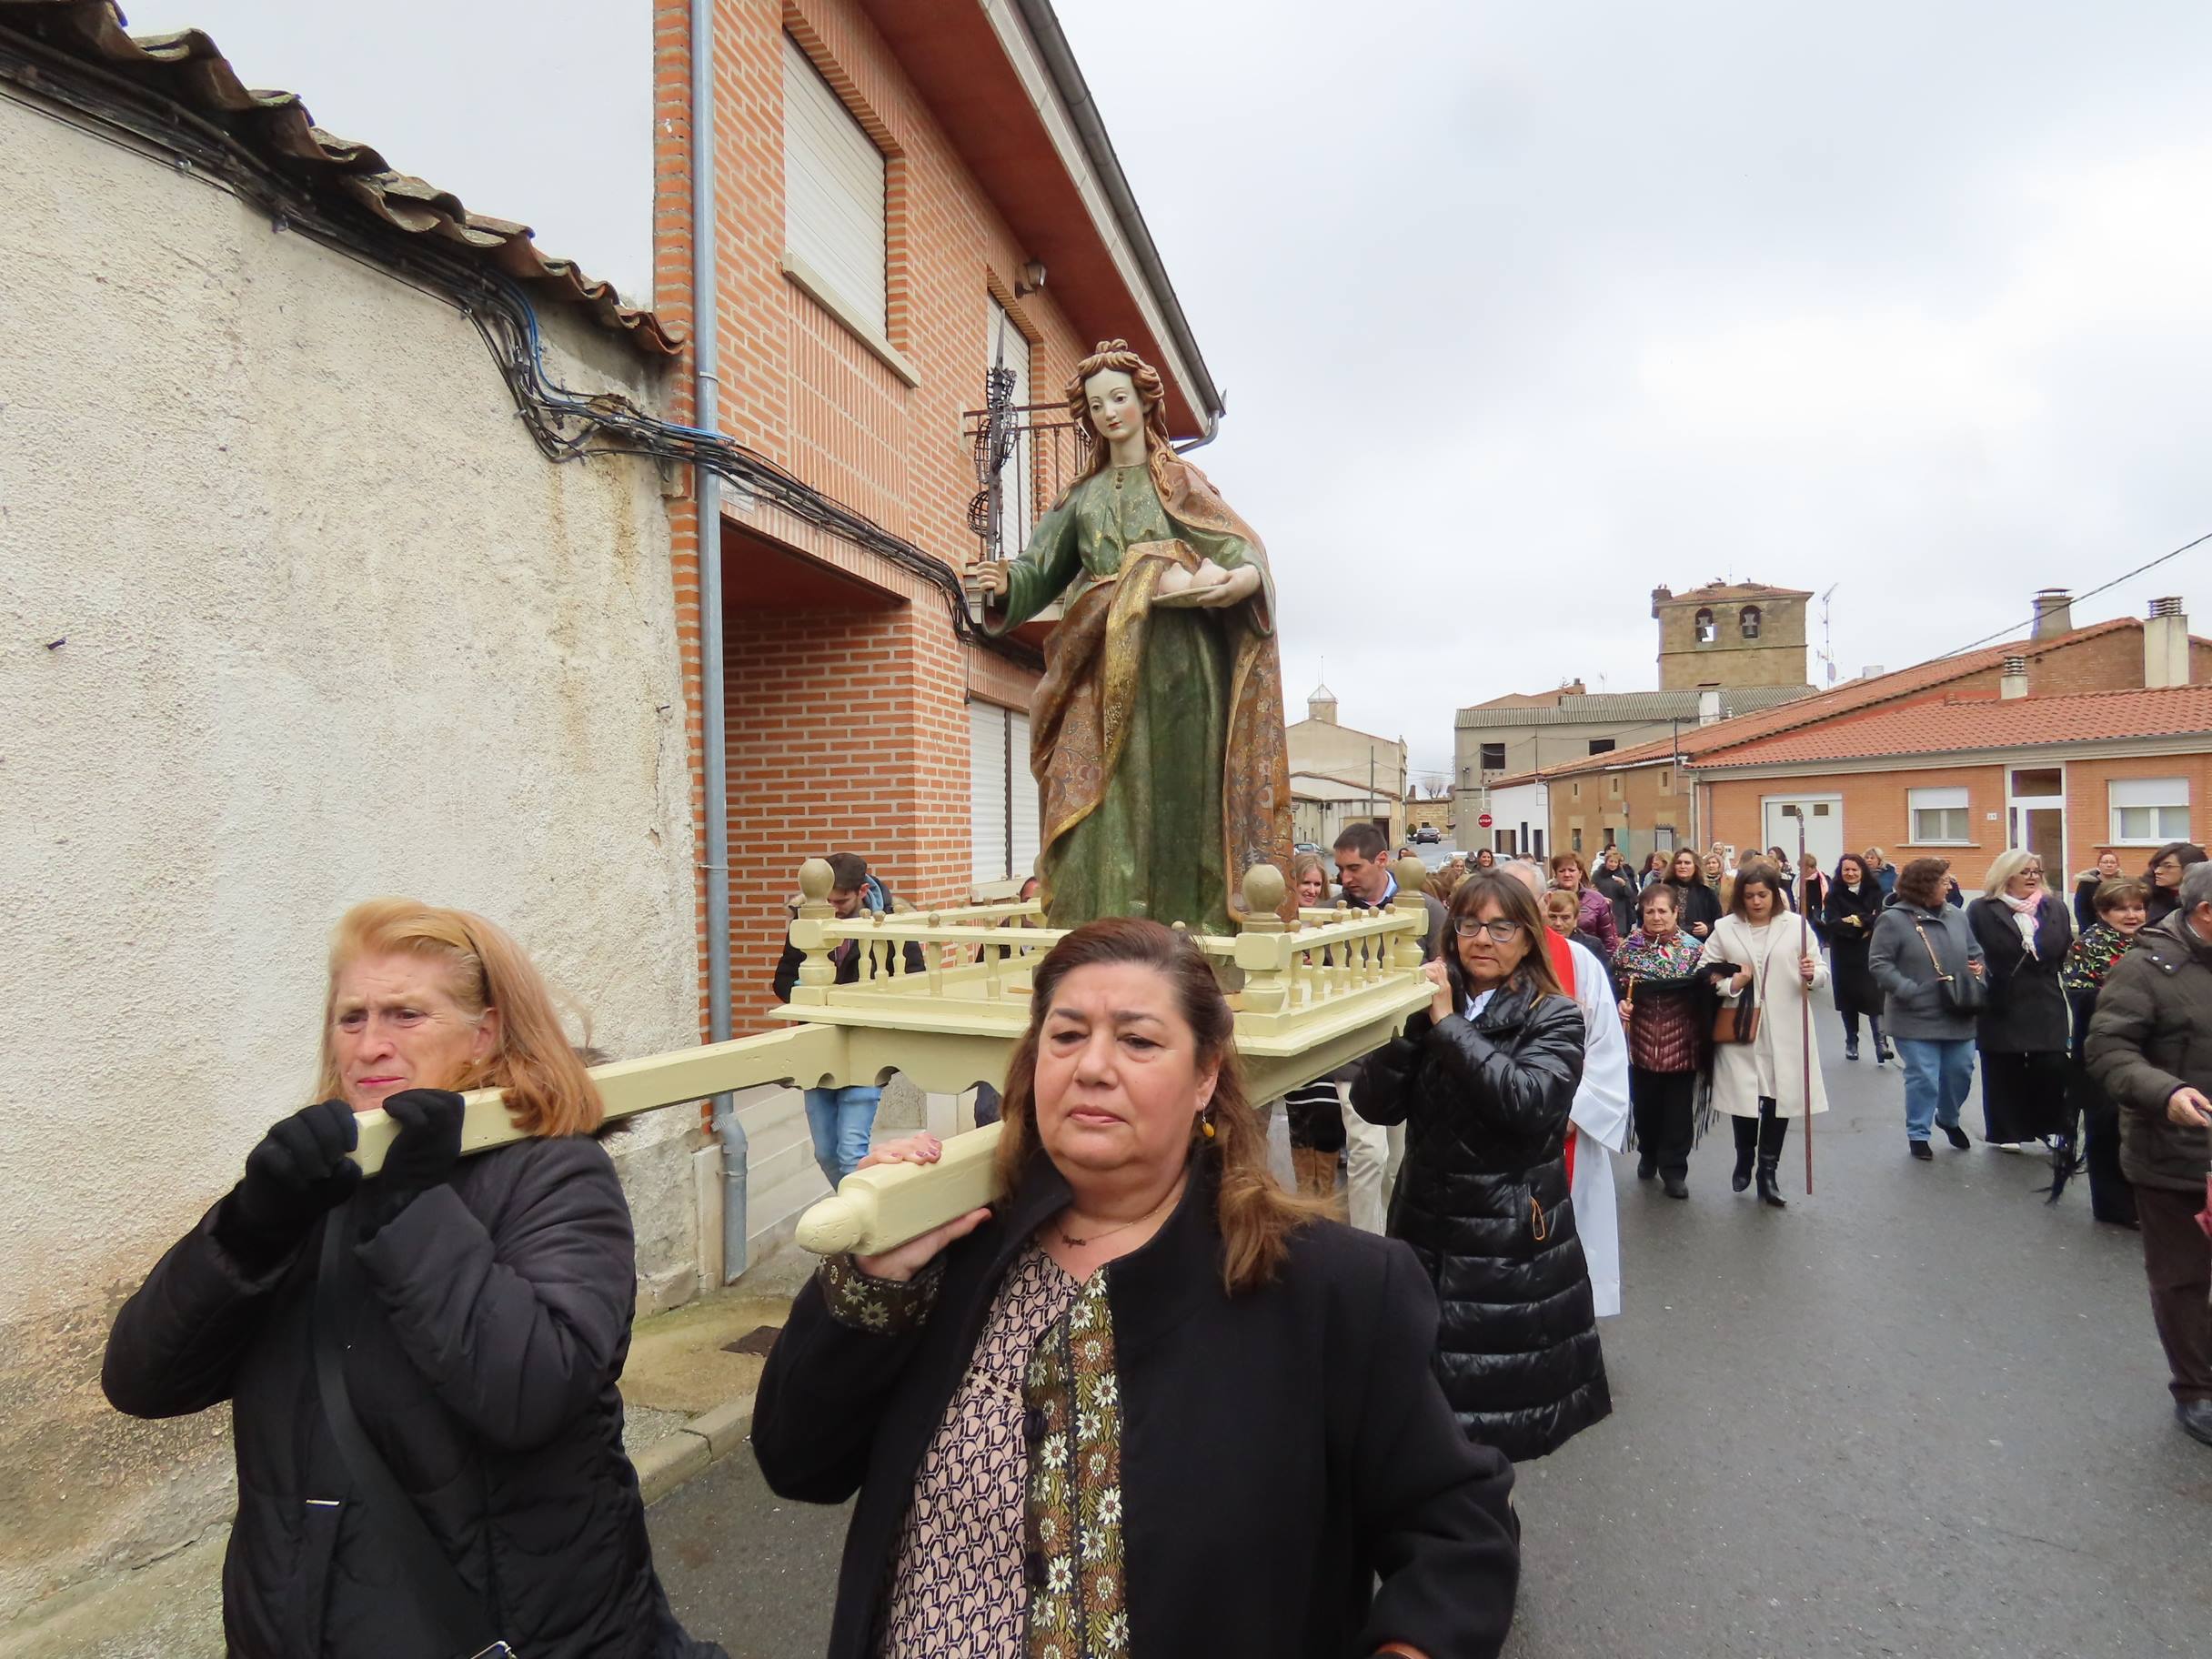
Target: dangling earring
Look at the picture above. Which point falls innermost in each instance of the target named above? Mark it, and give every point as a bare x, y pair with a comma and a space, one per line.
1205, 1120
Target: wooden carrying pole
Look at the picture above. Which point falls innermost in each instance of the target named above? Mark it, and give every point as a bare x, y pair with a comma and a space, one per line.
1805, 997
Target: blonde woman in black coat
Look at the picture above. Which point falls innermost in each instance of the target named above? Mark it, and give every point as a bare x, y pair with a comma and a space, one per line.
2023, 1034
477, 1312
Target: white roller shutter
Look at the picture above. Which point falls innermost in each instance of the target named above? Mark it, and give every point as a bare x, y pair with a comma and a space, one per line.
987, 846
1025, 830
833, 185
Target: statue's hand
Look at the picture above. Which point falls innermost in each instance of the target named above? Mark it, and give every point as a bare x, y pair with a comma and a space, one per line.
1234, 588
989, 577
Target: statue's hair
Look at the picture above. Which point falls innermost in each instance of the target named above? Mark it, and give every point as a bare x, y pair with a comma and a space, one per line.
1150, 388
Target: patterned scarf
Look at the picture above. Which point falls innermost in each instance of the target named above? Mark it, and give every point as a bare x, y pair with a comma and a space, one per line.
1645, 958
2024, 917
2090, 958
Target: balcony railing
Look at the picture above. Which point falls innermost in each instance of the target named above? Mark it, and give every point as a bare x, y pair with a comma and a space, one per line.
1025, 454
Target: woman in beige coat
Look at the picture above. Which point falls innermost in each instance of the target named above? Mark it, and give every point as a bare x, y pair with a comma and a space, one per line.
1762, 1083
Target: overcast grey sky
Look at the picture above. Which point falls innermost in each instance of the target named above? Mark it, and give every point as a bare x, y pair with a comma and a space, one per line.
1523, 309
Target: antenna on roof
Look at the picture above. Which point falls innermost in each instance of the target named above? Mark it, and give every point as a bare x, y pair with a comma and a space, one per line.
1827, 654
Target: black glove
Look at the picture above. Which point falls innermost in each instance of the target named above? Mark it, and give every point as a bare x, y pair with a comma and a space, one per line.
299, 1171
424, 1155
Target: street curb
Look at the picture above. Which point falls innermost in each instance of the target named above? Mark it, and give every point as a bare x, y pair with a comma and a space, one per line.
692, 1449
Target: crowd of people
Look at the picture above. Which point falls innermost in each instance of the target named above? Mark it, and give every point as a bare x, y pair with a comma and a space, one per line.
423, 1364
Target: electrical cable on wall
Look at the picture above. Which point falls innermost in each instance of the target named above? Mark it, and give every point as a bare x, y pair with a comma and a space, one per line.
566, 425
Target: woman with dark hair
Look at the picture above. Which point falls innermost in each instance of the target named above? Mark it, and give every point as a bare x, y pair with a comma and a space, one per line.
1923, 956
2163, 874
420, 1365
2021, 1034
1593, 909
1812, 895
1666, 1004
1762, 1083
1485, 859
1697, 905
2121, 914
1054, 1411
1485, 1081
1854, 905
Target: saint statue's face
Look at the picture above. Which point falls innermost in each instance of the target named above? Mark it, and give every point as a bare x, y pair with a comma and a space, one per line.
1116, 410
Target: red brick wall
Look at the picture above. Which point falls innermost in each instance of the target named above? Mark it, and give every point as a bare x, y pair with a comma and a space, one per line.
2089, 805
847, 729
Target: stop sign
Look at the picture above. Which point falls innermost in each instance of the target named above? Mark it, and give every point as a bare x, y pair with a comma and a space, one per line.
1482, 821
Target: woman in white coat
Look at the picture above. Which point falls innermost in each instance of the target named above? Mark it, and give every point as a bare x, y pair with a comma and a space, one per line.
1762, 1083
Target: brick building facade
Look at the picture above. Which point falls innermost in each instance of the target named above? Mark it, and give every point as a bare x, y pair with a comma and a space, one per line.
849, 673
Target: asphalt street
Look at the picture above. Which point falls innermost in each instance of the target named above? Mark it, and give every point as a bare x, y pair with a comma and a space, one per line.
1917, 1414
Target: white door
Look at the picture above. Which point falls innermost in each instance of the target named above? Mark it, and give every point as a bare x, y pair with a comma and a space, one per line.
1008, 348
1823, 825
1023, 834
989, 856
2035, 816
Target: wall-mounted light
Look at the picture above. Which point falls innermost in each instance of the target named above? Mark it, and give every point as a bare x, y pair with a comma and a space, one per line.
1030, 279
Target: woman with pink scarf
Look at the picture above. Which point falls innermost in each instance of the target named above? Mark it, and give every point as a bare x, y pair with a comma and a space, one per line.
2024, 931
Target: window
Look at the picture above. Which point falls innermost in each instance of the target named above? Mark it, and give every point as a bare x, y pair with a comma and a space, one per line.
1578, 789
1662, 838
1612, 785
1006, 348
2150, 811
1002, 808
1707, 630
1939, 817
1601, 746
1748, 620
834, 179
1494, 757
1666, 779
1578, 839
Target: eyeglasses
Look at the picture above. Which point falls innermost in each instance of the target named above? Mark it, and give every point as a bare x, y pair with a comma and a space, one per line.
1500, 930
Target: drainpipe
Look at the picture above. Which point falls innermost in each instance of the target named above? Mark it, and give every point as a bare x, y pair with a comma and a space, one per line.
706, 411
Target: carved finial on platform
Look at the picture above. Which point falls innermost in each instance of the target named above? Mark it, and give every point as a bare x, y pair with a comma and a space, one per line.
1264, 892
1412, 875
815, 880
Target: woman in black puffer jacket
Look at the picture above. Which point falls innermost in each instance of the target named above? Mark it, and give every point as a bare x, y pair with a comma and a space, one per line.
1484, 1081
484, 1309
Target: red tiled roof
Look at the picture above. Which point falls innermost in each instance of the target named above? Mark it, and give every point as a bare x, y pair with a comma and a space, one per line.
1849, 698
187, 70
1950, 724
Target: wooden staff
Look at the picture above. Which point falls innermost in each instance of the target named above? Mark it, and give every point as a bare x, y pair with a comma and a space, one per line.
1805, 999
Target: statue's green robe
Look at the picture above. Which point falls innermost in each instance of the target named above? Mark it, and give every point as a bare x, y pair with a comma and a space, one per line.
1157, 736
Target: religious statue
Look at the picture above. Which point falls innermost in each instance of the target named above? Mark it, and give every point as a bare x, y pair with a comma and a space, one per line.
1157, 736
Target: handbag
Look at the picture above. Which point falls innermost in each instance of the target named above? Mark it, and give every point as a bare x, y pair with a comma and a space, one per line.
454, 1609
1968, 996
1738, 1022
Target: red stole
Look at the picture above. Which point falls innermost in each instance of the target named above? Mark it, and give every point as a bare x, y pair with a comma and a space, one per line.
1561, 953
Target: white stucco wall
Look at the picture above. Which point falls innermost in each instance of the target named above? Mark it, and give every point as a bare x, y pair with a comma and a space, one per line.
291, 613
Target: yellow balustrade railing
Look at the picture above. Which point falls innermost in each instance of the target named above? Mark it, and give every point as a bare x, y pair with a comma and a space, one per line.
1311, 996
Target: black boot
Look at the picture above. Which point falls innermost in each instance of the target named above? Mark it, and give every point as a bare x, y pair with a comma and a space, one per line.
1647, 1166
1770, 1188
1746, 1150
1851, 1045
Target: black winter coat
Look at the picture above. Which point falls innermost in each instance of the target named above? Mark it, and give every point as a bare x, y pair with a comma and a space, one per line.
482, 1366
1696, 902
1278, 1449
2152, 1034
2027, 1011
849, 958
1851, 917
1482, 1200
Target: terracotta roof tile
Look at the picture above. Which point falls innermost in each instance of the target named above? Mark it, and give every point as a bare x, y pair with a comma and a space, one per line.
1849, 698
187, 69
1951, 725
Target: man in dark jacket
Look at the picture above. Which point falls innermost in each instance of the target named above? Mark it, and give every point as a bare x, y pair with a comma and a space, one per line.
840, 1121
2150, 1048
1371, 1153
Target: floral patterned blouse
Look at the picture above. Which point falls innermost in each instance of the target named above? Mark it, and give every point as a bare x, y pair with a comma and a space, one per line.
959, 1579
